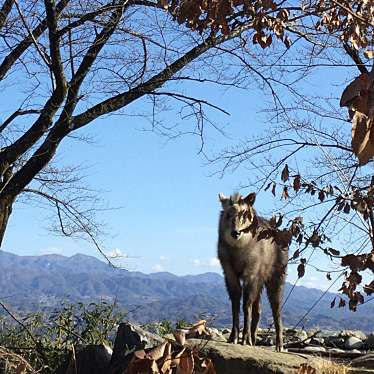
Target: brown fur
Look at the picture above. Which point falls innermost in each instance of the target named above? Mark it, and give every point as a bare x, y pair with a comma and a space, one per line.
249, 264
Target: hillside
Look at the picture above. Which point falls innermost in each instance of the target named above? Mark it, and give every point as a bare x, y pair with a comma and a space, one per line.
31, 283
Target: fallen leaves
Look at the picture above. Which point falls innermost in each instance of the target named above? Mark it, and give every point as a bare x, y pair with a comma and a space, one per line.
173, 358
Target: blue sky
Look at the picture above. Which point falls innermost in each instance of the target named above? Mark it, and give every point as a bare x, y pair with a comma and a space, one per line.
165, 191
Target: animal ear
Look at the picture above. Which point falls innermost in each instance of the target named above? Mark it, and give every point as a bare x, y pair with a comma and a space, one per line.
250, 199
223, 199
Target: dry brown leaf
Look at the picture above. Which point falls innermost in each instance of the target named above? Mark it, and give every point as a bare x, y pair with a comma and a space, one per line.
369, 54
273, 189
285, 174
354, 91
176, 360
166, 365
157, 352
297, 183
301, 270
186, 364
180, 336
198, 328
306, 369
333, 303
140, 354
285, 194
362, 138
145, 365
341, 303
208, 366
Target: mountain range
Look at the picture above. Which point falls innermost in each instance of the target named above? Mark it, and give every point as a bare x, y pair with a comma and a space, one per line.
31, 283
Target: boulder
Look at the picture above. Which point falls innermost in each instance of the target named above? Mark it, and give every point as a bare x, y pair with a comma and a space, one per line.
239, 359
355, 333
90, 359
335, 342
353, 343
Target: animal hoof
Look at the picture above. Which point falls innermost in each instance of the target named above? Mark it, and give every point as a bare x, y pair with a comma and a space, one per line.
232, 340
246, 341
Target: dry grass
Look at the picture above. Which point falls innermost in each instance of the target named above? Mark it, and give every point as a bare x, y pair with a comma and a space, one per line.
324, 367
14, 363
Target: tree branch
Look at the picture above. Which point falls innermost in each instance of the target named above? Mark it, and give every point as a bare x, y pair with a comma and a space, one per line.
4, 11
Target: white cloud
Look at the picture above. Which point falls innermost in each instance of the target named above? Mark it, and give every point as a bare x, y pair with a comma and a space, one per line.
50, 251
116, 253
157, 267
197, 262
212, 262
164, 258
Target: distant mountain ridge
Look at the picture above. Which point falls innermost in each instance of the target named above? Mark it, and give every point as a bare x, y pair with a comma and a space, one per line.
30, 283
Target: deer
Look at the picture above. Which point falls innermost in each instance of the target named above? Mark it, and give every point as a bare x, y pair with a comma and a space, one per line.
250, 262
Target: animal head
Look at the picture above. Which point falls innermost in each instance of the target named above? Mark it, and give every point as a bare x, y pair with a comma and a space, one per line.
238, 214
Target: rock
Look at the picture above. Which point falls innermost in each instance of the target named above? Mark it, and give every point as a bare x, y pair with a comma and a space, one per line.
335, 342
215, 334
356, 333
314, 349
213, 330
131, 338
295, 334
90, 359
226, 331
366, 362
369, 342
353, 343
317, 341
355, 351
239, 359
336, 350
265, 341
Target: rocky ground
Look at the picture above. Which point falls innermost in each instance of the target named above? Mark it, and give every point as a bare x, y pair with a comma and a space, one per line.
205, 350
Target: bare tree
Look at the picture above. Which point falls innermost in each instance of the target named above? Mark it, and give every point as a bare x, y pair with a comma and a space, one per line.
307, 156
72, 62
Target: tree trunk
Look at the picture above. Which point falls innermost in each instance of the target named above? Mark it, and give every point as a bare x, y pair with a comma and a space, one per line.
5, 211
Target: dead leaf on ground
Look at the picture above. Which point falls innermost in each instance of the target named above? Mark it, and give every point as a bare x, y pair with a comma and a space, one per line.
180, 336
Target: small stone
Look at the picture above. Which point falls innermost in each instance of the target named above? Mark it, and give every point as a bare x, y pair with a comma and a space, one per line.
356, 333
295, 334
335, 350
355, 351
213, 331
353, 343
226, 331
315, 349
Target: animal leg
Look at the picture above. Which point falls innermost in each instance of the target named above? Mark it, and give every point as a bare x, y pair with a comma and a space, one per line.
250, 295
275, 293
234, 289
256, 313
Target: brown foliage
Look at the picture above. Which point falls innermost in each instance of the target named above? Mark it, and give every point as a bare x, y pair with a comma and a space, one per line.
223, 17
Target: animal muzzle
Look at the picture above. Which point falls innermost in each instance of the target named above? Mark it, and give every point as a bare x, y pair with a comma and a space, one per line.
235, 234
